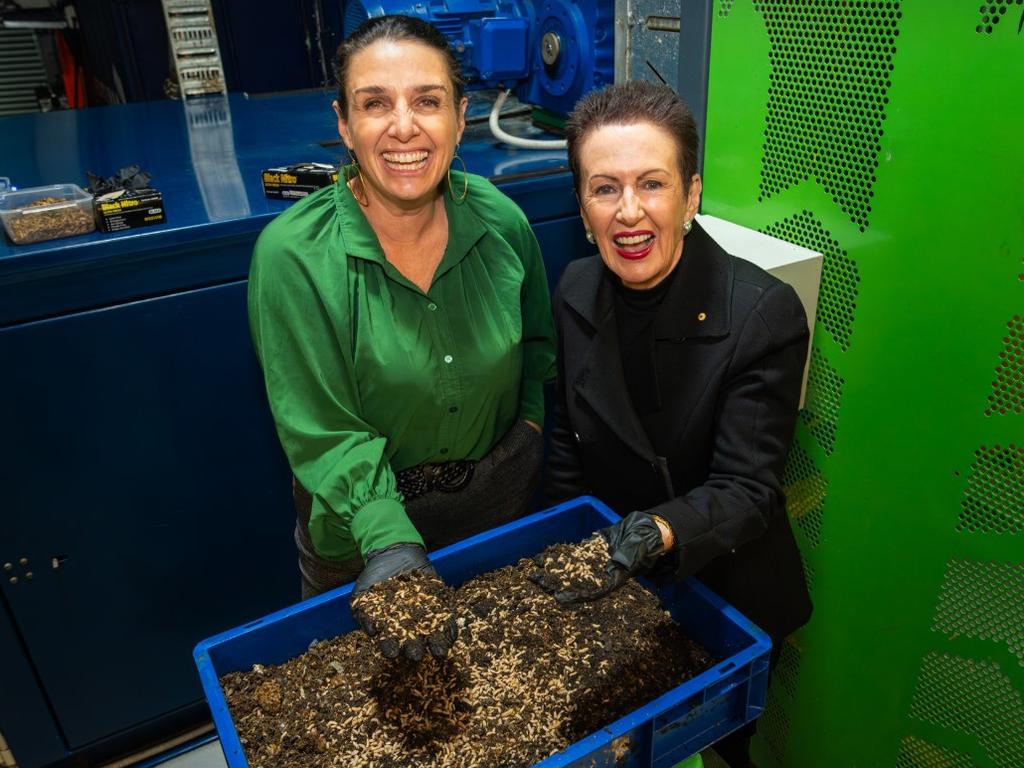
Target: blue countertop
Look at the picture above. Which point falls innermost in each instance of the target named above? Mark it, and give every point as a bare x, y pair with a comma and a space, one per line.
205, 157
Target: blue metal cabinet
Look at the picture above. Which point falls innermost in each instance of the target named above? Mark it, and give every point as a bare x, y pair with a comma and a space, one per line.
26, 719
147, 492
140, 475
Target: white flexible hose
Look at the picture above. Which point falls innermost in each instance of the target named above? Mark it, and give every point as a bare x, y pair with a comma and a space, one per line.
515, 141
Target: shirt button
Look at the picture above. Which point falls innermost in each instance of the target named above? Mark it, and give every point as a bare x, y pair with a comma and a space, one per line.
453, 409
432, 307
448, 358
444, 450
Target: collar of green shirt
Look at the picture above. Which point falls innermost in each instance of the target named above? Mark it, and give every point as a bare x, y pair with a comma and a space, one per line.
465, 229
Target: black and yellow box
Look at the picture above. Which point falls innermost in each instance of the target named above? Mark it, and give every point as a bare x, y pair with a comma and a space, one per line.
295, 181
128, 209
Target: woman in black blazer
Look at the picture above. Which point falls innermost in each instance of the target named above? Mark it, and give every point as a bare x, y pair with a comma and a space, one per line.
679, 372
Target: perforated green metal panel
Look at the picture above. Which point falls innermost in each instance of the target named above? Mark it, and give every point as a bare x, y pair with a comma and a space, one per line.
973, 697
839, 276
806, 490
994, 498
1008, 388
918, 753
824, 392
887, 136
983, 600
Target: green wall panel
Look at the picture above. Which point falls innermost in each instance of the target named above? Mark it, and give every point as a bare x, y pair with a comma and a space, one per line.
888, 136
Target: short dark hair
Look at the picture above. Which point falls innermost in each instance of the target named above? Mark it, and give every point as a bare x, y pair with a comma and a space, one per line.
629, 103
395, 28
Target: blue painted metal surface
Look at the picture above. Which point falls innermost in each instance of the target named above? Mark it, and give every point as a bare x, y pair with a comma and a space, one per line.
138, 446
657, 735
145, 467
25, 718
206, 161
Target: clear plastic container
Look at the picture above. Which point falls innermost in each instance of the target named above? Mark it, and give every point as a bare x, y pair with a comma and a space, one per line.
46, 213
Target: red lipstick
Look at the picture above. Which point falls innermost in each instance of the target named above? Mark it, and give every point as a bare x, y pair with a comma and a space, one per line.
634, 252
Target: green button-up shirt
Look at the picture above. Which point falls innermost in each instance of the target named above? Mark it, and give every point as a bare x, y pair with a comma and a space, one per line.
368, 375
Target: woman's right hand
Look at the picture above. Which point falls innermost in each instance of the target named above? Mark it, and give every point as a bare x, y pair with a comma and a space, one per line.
634, 545
398, 624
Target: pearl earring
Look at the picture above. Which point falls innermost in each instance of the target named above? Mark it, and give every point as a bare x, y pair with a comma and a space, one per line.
590, 237
687, 226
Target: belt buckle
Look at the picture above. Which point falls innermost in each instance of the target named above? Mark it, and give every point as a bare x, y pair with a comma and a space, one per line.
414, 481
453, 477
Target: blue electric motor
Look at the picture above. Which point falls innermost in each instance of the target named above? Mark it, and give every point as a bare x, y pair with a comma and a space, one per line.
549, 52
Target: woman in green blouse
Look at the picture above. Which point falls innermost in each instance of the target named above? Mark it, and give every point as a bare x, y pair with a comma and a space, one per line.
402, 320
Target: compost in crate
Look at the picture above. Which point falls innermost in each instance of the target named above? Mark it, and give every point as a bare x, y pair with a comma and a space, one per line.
526, 678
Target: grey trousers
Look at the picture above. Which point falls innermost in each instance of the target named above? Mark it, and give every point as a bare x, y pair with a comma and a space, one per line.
500, 491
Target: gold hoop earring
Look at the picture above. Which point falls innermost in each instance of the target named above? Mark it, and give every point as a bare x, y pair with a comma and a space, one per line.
351, 176
465, 180
590, 237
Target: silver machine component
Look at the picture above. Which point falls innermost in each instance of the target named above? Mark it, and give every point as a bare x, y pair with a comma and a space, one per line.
667, 41
21, 71
194, 47
550, 48
647, 40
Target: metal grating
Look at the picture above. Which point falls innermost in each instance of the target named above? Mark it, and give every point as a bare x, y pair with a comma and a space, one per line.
724, 7
831, 62
983, 600
712, 759
821, 408
1008, 388
976, 698
805, 493
809, 572
994, 498
918, 753
773, 726
787, 669
992, 13
194, 47
21, 71
837, 299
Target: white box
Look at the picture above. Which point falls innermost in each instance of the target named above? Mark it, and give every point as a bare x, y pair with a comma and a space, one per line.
800, 267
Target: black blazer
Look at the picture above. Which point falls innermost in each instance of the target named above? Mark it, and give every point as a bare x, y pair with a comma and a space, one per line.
730, 346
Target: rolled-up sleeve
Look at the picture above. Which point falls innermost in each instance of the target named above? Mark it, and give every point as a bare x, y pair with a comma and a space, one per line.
311, 386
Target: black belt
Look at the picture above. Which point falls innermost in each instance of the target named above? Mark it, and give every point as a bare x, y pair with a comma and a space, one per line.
447, 477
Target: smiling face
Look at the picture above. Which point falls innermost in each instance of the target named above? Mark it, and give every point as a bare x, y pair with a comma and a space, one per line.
633, 199
403, 121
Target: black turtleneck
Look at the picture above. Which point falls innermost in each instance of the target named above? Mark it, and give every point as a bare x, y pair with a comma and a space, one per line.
635, 311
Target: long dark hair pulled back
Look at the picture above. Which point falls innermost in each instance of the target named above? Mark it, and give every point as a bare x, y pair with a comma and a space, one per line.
395, 29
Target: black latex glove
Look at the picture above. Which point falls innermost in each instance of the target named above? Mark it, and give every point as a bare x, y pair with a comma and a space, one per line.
634, 545
382, 564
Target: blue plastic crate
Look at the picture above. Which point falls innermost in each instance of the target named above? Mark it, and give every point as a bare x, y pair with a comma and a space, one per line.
658, 735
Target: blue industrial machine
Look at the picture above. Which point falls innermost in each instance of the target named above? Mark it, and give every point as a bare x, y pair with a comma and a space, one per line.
548, 52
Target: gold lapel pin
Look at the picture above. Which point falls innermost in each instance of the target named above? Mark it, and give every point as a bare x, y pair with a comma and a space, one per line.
702, 316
